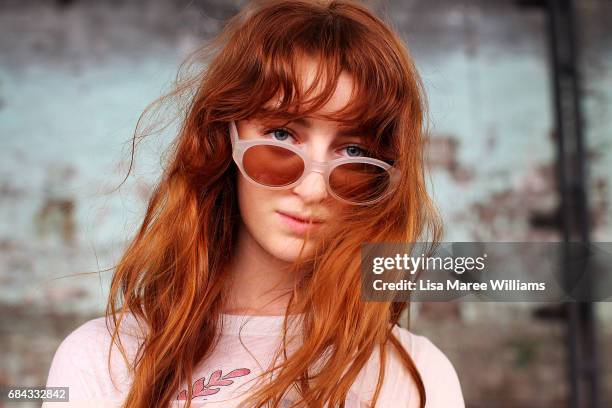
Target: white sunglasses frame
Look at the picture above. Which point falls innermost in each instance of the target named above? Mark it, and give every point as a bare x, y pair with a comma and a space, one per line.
239, 147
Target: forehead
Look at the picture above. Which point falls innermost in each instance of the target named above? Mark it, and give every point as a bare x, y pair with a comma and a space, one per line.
340, 99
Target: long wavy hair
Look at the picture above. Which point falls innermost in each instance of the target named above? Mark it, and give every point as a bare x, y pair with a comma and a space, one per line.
174, 272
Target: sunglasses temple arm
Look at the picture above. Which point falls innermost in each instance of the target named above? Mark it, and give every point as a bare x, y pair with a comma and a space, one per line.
395, 177
233, 132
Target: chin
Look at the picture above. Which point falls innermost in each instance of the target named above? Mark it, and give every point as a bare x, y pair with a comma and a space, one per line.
288, 248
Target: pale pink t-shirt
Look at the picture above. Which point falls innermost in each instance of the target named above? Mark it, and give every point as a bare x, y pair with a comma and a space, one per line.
80, 363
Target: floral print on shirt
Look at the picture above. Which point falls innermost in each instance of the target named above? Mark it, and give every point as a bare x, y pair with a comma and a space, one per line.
201, 388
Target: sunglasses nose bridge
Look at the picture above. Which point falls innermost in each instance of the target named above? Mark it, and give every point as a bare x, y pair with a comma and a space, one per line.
319, 167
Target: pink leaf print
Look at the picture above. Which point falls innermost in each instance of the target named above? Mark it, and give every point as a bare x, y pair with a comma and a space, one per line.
239, 372
198, 386
207, 391
216, 380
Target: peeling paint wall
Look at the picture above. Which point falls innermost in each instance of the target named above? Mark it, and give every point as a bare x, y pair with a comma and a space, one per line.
75, 75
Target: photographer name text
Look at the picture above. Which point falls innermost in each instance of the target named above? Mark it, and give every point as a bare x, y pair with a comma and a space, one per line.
427, 285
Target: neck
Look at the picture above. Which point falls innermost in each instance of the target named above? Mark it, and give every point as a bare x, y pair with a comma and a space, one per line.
260, 284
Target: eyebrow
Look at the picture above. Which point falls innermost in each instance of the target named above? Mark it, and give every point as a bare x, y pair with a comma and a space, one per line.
355, 131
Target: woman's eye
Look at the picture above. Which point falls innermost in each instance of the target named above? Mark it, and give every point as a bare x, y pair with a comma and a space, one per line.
355, 151
279, 134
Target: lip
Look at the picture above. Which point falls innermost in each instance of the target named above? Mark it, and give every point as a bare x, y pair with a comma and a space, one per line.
299, 225
300, 217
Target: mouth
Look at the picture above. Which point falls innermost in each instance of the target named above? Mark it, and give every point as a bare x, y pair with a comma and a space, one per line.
298, 224
300, 218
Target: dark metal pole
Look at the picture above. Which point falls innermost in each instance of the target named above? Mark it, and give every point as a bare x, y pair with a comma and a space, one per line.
571, 172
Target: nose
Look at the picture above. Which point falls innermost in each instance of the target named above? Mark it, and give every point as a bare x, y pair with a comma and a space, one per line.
312, 189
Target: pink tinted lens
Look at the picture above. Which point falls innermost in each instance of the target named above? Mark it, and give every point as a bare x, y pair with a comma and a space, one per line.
273, 166
359, 182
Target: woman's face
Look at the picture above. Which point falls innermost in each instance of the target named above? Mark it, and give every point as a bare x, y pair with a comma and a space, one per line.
266, 214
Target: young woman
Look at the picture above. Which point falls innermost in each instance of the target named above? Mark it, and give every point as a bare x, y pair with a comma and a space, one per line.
301, 139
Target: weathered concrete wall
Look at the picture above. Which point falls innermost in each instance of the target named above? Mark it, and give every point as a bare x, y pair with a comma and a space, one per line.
74, 76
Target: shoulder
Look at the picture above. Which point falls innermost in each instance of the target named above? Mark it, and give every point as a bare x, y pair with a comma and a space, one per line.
442, 388
92, 339
439, 376
80, 345
81, 360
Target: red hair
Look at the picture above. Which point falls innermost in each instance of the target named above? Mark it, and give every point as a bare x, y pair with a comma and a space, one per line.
173, 274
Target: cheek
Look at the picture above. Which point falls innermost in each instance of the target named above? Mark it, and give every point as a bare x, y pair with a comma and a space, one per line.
255, 203
258, 213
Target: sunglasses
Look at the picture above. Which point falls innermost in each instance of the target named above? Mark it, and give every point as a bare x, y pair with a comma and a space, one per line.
278, 165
